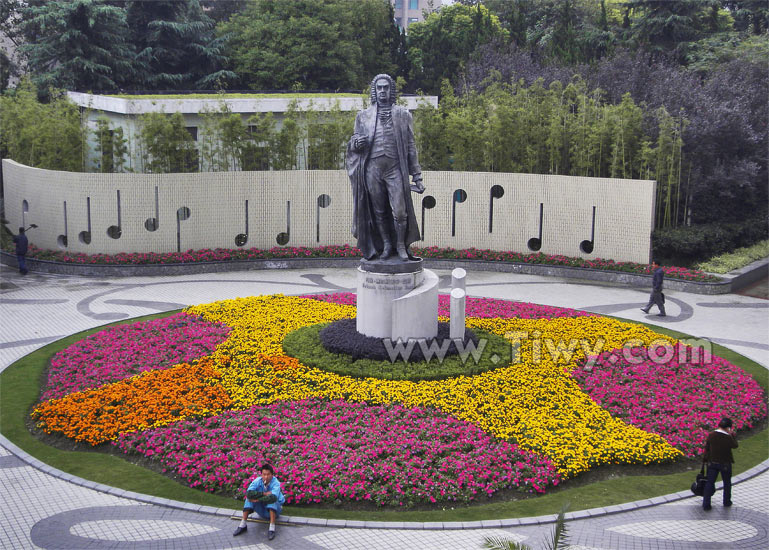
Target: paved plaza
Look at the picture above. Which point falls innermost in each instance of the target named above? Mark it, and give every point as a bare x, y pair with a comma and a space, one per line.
45, 508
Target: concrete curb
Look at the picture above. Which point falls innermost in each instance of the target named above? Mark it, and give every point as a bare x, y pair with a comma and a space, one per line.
235, 513
745, 276
731, 282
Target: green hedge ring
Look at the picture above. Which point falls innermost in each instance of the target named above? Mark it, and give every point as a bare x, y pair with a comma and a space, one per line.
492, 352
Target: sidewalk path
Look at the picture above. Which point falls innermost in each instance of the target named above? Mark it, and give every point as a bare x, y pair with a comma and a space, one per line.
44, 510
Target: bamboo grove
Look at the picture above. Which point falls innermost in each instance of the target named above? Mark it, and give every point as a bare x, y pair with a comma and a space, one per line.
566, 130
561, 129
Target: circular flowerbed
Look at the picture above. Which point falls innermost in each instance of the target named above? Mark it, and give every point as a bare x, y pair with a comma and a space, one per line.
562, 403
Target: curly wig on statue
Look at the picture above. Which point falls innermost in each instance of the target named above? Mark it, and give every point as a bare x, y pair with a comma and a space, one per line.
393, 91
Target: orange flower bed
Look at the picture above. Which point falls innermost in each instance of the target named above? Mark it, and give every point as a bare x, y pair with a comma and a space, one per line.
148, 400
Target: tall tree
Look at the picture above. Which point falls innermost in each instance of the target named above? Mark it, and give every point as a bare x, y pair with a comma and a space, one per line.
749, 15
77, 45
667, 27
222, 11
440, 45
176, 46
306, 44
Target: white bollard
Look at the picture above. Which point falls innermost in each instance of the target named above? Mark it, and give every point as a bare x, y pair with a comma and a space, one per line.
458, 276
457, 326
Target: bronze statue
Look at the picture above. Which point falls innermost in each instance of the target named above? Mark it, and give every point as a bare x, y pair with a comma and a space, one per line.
381, 155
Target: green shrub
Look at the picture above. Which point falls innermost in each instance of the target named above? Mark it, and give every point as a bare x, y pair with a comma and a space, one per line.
304, 344
698, 243
737, 259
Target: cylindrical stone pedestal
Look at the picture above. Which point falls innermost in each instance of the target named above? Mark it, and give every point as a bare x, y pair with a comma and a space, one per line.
398, 305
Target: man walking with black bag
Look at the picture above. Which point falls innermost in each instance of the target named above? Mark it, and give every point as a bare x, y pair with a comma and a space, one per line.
719, 459
656, 297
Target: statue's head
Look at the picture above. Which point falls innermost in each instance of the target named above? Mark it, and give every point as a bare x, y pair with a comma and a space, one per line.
390, 99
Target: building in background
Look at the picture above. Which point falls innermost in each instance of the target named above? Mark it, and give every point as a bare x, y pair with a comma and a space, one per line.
125, 112
412, 11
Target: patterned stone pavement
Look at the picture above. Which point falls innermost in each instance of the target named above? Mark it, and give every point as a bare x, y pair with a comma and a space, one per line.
44, 508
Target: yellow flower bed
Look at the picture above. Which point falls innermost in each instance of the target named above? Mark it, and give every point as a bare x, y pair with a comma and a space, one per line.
533, 401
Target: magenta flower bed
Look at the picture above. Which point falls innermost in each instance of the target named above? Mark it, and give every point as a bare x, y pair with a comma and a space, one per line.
328, 452
680, 400
124, 350
476, 307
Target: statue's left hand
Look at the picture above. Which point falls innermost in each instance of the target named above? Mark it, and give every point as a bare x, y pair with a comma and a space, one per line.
418, 186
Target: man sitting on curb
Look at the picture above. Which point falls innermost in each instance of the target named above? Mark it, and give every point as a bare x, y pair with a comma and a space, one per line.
265, 498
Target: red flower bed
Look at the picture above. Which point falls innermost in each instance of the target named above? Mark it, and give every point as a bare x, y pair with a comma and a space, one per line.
673, 393
347, 251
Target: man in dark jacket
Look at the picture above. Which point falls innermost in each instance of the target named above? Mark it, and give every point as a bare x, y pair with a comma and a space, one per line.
718, 457
22, 244
656, 297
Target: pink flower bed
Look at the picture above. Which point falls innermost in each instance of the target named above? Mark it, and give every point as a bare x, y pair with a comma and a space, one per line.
327, 452
680, 400
124, 350
476, 307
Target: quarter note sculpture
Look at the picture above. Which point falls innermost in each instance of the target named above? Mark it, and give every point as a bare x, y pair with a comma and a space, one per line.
323, 202
535, 243
114, 231
61, 240
85, 236
497, 192
182, 214
242, 238
152, 224
587, 246
428, 203
283, 238
459, 196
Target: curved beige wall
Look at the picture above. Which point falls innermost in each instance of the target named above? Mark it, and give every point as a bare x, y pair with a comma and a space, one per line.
287, 202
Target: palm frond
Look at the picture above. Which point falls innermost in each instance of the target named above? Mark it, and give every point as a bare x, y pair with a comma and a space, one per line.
501, 543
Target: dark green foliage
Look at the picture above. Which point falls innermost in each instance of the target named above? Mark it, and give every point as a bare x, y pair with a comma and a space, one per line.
311, 45
176, 46
78, 45
688, 245
749, 15
440, 45
219, 10
305, 345
668, 27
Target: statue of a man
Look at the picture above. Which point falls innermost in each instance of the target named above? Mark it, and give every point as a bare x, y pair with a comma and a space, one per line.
381, 155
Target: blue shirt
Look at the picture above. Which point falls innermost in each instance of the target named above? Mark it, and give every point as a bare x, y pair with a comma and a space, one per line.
274, 487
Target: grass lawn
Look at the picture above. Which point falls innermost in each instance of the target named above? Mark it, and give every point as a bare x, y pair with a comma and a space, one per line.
20, 387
